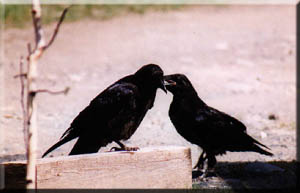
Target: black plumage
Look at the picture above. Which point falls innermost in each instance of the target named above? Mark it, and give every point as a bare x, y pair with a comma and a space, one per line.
114, 114
214, 131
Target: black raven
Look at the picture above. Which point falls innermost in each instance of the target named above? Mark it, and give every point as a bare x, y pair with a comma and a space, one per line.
115, 113
214, 131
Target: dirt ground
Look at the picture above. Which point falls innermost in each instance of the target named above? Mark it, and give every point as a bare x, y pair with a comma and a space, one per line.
241, 60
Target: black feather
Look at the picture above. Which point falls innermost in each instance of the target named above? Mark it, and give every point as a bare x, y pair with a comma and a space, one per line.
115, 113
214, 131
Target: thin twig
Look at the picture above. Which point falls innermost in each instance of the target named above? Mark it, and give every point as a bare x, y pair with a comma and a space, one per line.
37, 24
31, 76
31, 119
23, 75
22, 80
65, 91
29, 49
62, 17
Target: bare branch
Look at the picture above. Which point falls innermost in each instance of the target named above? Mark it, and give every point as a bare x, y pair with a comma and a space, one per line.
30, 114
62, 17
37, 24
31, 117
29, 49
65, 91
24, 75
22, 80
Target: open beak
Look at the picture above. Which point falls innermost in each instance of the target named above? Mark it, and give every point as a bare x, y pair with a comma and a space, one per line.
162, 86
170, 83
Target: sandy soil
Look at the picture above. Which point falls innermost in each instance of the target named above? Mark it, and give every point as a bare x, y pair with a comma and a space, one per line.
240, 59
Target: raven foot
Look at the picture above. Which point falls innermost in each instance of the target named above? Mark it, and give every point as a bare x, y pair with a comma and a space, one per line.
125, 148
206, 174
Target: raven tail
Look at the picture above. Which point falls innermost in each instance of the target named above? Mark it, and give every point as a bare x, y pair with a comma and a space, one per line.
59, 143
260, 150
255, 141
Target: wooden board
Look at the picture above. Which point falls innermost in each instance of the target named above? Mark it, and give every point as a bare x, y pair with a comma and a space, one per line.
160, 167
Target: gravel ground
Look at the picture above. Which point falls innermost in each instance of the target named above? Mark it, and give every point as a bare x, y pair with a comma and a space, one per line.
241, 60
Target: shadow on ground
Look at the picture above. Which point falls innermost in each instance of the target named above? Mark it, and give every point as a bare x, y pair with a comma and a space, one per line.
240, 176
14, 157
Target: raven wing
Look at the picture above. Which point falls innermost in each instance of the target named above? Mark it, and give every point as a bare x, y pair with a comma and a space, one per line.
212, 118
117, 102
105, 114
222, 132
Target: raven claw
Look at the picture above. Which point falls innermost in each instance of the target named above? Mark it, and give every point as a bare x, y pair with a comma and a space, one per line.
131, 148
124, 149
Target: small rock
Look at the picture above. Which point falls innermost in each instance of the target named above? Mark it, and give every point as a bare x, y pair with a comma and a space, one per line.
259, 167
263, 135
272, 117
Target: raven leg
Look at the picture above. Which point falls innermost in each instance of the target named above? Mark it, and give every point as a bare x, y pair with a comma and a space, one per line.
200, 162
211, 161
123, 147
209, 171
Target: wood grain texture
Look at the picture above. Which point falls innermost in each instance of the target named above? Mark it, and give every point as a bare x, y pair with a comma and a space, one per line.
161, 167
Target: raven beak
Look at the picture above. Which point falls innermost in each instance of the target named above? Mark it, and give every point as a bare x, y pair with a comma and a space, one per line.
170, 83
162, 86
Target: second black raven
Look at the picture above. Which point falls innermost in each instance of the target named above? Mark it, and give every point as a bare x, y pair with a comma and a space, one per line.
214, 131
114, 114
